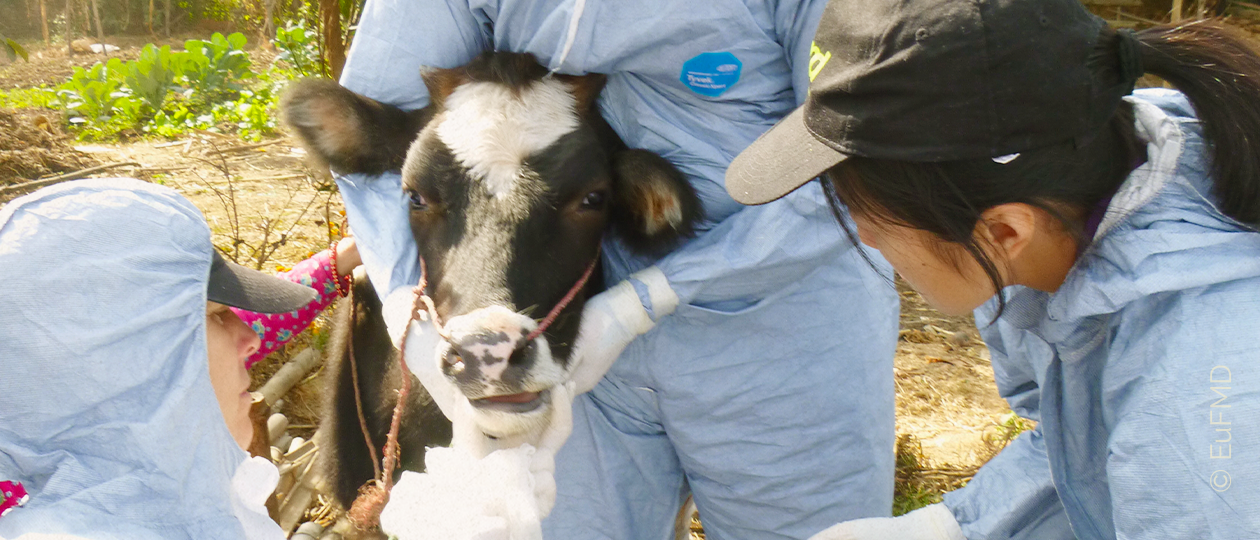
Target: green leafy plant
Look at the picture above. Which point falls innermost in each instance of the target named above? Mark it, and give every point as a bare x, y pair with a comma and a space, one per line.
152, 76
216, 66
13, 49
209, 86
96, 101
21, 98
299, 49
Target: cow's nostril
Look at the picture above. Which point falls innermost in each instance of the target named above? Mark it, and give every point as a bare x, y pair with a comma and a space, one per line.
521, 353
455, 363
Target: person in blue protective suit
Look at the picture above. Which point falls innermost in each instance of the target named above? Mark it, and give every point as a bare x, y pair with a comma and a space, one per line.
123, 403
1120, 228
718, 344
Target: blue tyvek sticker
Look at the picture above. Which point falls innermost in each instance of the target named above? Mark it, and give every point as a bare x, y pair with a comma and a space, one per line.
711, 73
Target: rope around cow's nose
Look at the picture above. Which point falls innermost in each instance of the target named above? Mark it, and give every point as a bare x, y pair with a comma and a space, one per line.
568, 297
365, 513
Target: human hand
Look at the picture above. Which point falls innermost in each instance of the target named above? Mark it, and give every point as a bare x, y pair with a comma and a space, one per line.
933, 522
475, 491
347, 256
611, 320
468, 437
421, 350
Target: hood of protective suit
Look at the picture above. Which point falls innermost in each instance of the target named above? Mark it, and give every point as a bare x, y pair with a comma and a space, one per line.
1159, 229
107, 414
1126, 365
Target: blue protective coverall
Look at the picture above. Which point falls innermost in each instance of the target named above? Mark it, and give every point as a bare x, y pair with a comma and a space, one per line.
107, 414
1143, 369
769, 391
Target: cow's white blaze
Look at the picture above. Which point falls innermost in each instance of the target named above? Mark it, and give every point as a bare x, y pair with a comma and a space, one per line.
491, 131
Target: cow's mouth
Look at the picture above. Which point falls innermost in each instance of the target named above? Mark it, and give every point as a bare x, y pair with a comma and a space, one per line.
515, 403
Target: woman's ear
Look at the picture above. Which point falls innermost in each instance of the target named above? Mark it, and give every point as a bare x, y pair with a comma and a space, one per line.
1008, 229
654, 206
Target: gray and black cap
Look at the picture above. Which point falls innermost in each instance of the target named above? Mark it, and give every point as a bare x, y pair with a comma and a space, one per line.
930, 81
234, 285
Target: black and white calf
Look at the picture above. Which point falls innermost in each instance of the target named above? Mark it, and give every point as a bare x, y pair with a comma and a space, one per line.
513, 179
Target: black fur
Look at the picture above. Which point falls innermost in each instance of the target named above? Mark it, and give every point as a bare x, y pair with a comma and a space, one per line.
343, 451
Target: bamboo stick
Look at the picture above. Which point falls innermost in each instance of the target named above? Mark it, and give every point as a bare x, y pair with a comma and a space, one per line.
289, 375
68, 176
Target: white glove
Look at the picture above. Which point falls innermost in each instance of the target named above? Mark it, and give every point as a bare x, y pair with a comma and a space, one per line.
611, 320
254, 480
422, 343
473, 491
933, 522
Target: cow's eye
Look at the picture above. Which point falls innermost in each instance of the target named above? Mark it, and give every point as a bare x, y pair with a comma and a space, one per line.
593, 200
418, 202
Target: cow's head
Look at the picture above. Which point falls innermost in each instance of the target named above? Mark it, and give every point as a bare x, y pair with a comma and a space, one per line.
513, 180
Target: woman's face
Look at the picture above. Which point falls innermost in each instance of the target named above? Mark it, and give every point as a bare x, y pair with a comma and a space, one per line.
953, 289
230, 342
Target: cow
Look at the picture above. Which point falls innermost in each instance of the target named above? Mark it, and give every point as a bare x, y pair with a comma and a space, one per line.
514, 180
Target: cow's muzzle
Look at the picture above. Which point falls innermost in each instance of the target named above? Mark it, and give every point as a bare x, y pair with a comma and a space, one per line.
493, 359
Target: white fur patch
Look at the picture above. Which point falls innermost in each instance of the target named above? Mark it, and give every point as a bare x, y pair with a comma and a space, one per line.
492, 132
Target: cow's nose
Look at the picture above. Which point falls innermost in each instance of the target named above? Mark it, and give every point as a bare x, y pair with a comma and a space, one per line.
483, 349
485, 342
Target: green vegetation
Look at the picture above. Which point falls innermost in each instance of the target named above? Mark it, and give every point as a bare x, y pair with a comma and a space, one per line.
12, 48
210, 85
299, 48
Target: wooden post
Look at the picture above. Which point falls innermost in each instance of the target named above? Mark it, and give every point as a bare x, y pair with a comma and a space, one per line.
100, 32
334, 48
168, 18
69, 27
1176, 11
268, 29
86, 12
150, 20
43, 19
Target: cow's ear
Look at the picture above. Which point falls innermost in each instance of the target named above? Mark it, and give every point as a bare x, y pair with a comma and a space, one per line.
441, 83
349, 132
585, 88
654, 207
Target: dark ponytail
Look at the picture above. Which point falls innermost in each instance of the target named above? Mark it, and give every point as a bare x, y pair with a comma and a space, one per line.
1220, 73
1216, 70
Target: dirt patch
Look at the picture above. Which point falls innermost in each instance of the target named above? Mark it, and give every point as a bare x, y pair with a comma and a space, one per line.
52, 66
32, 144
946, 398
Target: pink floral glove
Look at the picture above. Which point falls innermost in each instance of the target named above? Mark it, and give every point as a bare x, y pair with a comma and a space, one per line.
274, 329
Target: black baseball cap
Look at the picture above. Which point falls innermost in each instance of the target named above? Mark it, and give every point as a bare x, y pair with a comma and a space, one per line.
934, 80
234, 285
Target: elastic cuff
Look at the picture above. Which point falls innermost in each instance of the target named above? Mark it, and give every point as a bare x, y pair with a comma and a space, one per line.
645, 296
662, 298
